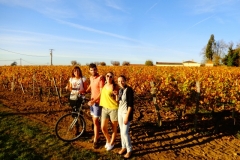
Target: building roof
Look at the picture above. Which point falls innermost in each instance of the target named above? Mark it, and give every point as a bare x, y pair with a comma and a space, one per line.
169, 63
189, 62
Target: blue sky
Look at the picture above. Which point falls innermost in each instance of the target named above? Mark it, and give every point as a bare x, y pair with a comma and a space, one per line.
113, 30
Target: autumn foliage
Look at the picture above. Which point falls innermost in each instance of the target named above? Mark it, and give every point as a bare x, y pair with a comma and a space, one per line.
175, 86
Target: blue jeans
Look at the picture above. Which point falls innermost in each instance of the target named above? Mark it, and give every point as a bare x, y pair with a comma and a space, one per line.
124, 129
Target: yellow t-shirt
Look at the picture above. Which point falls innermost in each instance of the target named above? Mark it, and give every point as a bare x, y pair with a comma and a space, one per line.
106, 99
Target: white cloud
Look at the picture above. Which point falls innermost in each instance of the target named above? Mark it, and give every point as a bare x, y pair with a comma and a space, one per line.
115, 4
97, 31
151, 7
19, 36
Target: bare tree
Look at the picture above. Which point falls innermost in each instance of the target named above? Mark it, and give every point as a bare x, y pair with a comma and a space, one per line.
102, 64
115, 63
97, 63
14, 63
125, 63
220, 47
74, 63
238, 45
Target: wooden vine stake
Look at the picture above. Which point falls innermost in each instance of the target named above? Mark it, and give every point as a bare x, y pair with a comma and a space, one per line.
60, 90
157, 109
22, 87
33, 80
13, 84
197, 104
59, 99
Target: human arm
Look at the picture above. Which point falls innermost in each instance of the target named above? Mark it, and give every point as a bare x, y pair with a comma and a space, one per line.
88, 89
129, 110
115, 93
130, 105
69, 85
85, 87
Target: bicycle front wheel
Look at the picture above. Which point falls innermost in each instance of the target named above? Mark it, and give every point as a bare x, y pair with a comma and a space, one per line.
70, 127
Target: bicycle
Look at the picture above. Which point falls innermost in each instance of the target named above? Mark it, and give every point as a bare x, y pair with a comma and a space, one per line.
72, 125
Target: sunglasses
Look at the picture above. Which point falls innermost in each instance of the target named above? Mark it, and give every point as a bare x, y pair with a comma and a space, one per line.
109, 76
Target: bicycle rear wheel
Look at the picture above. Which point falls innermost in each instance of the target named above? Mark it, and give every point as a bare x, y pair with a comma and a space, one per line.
70, 127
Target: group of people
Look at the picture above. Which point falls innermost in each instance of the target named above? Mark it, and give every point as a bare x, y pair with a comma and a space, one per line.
109, 102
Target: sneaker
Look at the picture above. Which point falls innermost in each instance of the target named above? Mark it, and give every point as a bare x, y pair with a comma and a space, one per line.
107, 145
110, 147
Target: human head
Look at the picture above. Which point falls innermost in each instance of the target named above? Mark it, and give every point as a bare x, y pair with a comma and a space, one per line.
93, 69
122, 81
110, 77
76, 72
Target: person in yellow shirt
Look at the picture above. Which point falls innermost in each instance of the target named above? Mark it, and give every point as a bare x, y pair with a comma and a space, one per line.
108, 101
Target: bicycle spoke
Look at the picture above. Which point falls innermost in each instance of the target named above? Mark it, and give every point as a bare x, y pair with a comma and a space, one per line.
69, 128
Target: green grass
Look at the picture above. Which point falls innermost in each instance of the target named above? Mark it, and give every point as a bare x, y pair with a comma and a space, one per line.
24, 139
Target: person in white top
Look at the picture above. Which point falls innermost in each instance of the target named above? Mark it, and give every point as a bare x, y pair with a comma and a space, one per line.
77, 83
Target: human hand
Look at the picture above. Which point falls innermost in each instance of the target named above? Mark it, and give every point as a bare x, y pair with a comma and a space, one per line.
90, 103
81, 92
125, 120
114, 93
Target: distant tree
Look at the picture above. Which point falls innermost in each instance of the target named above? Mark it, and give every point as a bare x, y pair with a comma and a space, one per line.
210, 48
220, 47
74, 63
238, 45
14, 63
115, 63
97, 63
125, 63
233, 56
102, 64
217, 51
216, 60
203, 53
149, 63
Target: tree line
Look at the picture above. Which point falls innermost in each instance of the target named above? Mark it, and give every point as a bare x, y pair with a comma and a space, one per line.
221, 53
114, 63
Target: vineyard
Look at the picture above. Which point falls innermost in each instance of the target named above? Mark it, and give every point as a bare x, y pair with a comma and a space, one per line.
200, 99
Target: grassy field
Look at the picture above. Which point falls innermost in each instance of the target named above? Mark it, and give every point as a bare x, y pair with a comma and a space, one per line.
23, 138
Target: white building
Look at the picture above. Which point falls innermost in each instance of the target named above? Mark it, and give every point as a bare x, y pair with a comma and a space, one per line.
186, 63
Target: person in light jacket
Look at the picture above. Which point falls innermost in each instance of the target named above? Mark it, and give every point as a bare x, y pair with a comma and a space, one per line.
125, 115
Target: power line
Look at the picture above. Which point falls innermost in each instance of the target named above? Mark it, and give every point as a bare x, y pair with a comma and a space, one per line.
27, 62
23, 54
20, 61
9, 60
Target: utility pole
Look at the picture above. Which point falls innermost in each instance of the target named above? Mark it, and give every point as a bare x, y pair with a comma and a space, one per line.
20, 61
51, 55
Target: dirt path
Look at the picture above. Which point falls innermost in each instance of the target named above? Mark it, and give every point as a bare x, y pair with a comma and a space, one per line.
149, 141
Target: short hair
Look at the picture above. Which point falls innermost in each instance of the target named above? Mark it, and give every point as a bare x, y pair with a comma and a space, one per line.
92, 65
123, 77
